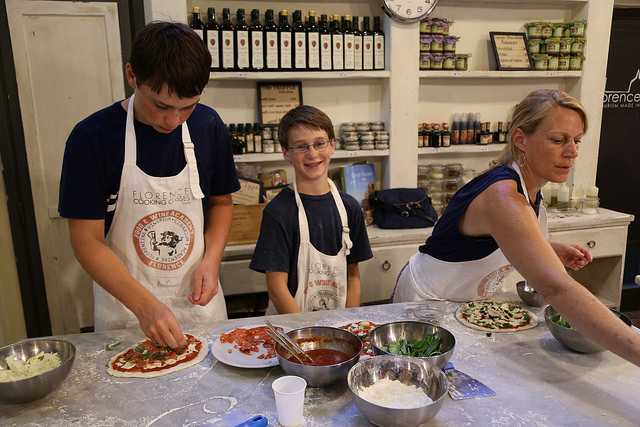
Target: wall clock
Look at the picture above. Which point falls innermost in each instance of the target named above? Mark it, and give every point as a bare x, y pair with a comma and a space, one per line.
407, 11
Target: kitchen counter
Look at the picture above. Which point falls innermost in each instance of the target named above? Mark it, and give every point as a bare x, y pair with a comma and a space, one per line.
536, 380
557, 222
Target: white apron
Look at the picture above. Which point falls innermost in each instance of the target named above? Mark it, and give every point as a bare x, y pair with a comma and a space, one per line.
428, 278
322, 279
158, 233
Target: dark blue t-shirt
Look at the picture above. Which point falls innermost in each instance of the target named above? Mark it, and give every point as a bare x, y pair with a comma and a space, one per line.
447, 243
94, 157
279, 241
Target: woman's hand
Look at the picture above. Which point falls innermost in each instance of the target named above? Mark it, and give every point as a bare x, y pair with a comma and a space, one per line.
573, 256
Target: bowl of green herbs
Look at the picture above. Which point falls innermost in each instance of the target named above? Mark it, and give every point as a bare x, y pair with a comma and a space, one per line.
431, 343
562, 330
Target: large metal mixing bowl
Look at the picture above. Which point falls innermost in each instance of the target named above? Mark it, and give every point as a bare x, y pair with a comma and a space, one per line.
408, 370
316, 337
37, 387
410, 330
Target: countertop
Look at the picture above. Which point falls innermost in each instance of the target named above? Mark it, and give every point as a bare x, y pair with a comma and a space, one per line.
536, 380
558, 221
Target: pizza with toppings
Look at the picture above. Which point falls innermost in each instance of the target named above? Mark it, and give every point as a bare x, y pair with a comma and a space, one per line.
361, 329
147, 360
493, 316
249, 341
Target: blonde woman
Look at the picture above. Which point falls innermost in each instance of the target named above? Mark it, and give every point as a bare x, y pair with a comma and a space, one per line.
497, 222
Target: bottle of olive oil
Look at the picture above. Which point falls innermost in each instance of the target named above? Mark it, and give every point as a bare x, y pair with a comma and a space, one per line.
313, 43
227, 35
212, 36
326, 60
284, 41
271, 41
337, 43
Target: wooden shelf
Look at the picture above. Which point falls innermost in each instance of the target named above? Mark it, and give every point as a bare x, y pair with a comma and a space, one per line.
339, 154
499, 74
456, 149
299, 75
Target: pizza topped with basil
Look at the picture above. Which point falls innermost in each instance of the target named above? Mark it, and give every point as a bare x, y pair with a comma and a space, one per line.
493, 316
361, 329
147, 360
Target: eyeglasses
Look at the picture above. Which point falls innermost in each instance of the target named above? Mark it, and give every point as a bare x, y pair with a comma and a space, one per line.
319, 145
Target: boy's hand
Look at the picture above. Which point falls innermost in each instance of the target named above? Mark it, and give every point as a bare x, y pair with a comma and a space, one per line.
204, 283
160, 325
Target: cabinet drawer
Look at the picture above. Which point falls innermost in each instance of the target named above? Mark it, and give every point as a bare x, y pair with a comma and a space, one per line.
601, 242
378, 275
236, 278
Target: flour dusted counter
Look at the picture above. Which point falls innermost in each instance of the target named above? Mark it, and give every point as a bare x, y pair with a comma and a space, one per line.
536, 380
605, 234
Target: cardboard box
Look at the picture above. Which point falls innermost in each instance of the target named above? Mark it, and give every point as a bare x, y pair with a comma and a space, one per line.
245, 225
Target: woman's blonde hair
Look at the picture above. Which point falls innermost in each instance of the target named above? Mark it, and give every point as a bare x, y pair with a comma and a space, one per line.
530, 112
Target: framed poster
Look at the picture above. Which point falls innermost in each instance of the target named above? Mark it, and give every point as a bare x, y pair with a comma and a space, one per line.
275, 99
510, 50
249, 193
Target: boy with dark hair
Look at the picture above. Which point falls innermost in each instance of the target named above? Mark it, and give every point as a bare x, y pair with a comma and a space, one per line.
146, 186
312, 237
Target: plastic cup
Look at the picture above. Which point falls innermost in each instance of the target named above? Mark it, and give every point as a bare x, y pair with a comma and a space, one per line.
289, 394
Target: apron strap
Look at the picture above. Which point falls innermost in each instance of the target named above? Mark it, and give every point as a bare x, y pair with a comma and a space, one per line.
192, 164
130, 137
302, 217
346, 239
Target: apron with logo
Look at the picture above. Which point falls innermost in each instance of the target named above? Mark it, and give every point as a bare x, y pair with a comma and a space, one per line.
428, 278
158, 233
322, 279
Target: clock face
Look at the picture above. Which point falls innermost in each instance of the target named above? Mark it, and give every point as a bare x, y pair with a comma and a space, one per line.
408, 10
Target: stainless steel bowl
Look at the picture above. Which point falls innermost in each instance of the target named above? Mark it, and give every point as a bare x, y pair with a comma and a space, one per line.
571, 338
323, 337
529, 295
408, 370
37, 387
412, 330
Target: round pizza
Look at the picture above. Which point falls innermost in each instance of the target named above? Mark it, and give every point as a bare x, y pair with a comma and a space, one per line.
361, 329
493, 316
147, 360
249, 341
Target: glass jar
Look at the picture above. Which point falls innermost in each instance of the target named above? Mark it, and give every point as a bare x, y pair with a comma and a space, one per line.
451, 185
553, 62
578, 28
425, 42
436, 197
590, 205
534, 29
563, 62
575, 62
425, 26
450, 44
436, 171
462, 62
552, 45
437, 44
577, 45
565, 44
547, 30
425, 61
376, 126
266, 133
444, 26
437, 26
454, 170
434, 186
437, 61
540, 62
449, 61
558, 29
534, 45
363, 127
268, 146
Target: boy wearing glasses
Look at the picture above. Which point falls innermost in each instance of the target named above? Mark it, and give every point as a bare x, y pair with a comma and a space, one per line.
312, 237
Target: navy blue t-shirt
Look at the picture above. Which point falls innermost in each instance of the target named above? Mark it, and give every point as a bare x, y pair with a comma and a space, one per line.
94, 157
447, 243
279, 241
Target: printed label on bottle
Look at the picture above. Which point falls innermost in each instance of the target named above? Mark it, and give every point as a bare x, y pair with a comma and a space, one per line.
285, 50
242, 38
348, 52
213, 45
379, 52
367, 53
313, 42
325, 52
227, 50
257, 50
301, 51
357, 53
338, 51
200, 33
272, 50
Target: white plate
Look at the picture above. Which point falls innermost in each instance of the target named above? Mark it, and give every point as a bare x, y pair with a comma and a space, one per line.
229, 355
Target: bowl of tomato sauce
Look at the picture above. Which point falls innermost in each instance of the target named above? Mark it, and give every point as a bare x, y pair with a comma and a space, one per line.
333, 352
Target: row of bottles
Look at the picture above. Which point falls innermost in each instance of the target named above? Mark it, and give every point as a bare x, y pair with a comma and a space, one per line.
253, 138
466, 128
333, 44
